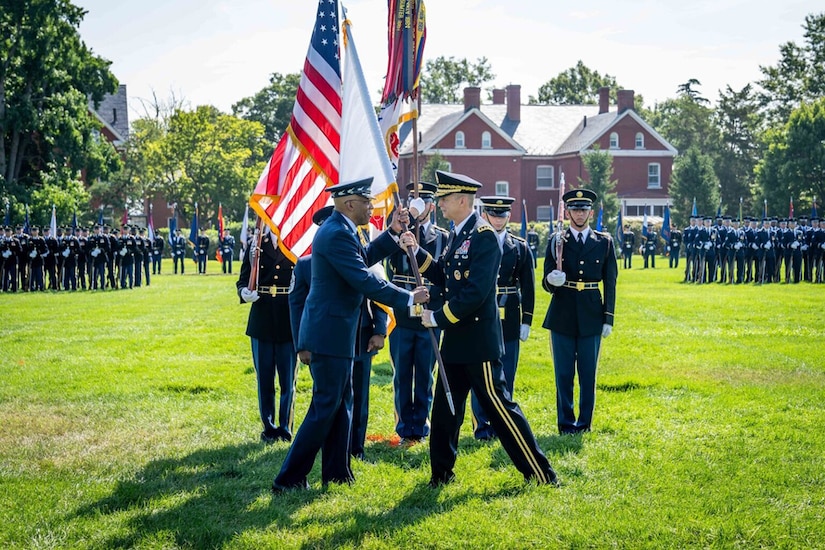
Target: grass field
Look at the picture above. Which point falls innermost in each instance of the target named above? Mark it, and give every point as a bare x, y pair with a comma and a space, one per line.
128, 419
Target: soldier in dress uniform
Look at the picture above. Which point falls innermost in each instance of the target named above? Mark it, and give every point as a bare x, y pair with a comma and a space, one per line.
138, 255
145, 246
69, 247
628, 244
328, 333
793, 260
817, 249
579, 317
751, 252
23, 260
269, 330
178, 251
472, 345
201, 250
533, 244
37, 253
515, 296
82, 236
157, 253
126, 252
99, 251
50, 259
765, 254
227, 246
113, 257
411, 348
650, 245
674, 248
12, 250
738, 251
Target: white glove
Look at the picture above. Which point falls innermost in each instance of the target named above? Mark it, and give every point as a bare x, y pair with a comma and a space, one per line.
95, 252
524, 332
804, 247
428, 319
606, 330
66, 253
755, 246
249, 296
122, 251
667, 249
794, 245
708, 245
33, 254
417, 206
737, 246
44, 255
768, 245
556, 278
6, 253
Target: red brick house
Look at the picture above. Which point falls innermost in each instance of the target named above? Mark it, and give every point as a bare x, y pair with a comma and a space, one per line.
521, 150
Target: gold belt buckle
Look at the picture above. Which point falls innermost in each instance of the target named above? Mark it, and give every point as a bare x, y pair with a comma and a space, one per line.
579, 286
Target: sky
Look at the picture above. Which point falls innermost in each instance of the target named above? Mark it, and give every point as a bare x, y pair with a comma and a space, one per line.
217, 52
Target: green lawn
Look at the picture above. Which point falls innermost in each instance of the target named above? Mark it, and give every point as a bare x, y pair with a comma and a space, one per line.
129, 419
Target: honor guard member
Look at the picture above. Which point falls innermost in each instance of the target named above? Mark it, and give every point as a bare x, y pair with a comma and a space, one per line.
628, 243
674, 248
579, 316
807, 257
157, 252
688, 238
765, 254
69, 249
268, 327
533, 244
817, 248
178, 244
50, 259
201, 250
227, 246
98, 252
4, 255
146, 249
411, 348
126, 253
651, 242
739, 251
328, 333
12, 251
82, 234
515, 296
793, 260
23, 260
138, 255
37, 253
472, 344
731, 238
113, 258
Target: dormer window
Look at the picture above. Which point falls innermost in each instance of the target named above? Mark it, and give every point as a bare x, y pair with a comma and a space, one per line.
486, 140
459, 140
614, 140
640, 140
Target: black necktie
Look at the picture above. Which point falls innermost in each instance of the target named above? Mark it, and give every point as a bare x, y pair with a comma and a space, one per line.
581, 238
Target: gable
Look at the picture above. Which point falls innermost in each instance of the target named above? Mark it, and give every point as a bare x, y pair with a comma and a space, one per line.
473, 125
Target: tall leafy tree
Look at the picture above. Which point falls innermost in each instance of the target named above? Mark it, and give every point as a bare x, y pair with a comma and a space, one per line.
685, 121
693, 177
271, 106
599, 166
443, 78
578, 85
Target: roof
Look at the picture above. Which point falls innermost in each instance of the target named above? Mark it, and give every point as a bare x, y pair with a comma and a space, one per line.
113, 112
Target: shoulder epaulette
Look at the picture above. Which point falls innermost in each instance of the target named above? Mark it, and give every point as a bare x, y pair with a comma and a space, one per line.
441, 230
519, 239
484, 227
604, 234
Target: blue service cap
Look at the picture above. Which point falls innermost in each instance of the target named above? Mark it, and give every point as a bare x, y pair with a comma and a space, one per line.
361, 188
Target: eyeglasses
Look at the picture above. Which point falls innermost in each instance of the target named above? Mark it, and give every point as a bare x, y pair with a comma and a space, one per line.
362, 201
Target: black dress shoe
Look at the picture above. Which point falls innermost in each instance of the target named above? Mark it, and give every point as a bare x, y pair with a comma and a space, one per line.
277, 488
284, 434
438, 481
270, 437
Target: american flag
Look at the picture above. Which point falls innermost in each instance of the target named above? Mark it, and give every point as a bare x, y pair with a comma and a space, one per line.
307, 159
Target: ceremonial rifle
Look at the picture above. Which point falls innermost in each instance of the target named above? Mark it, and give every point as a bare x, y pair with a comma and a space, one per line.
560, 225
255, 256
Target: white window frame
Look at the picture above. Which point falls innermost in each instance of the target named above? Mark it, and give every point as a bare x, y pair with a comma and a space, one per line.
657, 183
486, 140
502, 188
459, 140
552, 178
640, 140
614, 140
543, 213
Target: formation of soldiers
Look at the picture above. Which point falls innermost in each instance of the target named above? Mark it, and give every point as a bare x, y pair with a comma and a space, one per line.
75, 259
768, 251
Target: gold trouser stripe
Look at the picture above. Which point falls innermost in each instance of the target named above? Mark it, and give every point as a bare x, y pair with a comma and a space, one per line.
487, 369
449, 314
427, 261
292, 404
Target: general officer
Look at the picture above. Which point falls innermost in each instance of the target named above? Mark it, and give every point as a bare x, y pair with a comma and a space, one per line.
178, 244
515, 296
628, 243
579, 316
472, 345
270, 333
328, 333
411, 348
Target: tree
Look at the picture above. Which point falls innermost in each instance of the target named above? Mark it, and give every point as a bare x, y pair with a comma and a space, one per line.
443, 77
693, 178
47, 77
435, 162
686, 122
799, 75
271, 106
577, 85
599, 166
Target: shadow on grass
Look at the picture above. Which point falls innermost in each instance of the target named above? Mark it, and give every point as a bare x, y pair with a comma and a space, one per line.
551, 445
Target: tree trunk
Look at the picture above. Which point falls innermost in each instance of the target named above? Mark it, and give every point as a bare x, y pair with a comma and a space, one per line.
3, 127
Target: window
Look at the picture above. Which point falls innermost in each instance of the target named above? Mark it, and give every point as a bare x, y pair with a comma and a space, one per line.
654, 180
486, 140
459, 140
544, 177
640, 141
543, 213
614, 140
502, 188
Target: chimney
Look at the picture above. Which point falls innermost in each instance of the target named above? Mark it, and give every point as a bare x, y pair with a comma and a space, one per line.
472, 98
624, 100
498, 96
584, 122
604, 99
514, 102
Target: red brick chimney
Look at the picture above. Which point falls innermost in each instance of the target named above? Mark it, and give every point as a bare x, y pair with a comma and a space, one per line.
514, 102
472, 98
498, 96
604, 99
624, 100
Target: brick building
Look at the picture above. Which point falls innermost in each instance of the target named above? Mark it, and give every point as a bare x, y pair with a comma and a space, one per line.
521, 150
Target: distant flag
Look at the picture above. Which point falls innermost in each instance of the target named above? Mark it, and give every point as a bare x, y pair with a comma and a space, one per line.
619, 224
790, 210
74, 220
666, 225
719, 209
173, 223
218, 254
53, 223
151, 223
740, 209
244, 231
813, 209
26, 224
100, 217
523, 219
307, 158
600, 219
765, 209
193, 227
695, 211
7, 219
644, 223
124, 221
